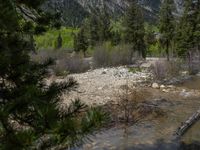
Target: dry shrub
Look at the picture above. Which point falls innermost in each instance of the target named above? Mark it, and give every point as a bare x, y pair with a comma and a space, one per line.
129, 101
77, 64
64, 62
133, 105
193, 61
115, 56
165, 69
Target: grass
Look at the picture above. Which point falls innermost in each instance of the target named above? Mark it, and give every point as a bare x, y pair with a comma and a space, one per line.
48, 40
134, 69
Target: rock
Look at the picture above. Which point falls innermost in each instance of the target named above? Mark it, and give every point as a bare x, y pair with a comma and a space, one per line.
100, 88
185, 94
198, 74
166, 90
103, 72
162, 86
171, 86
155, 86
145, 65
185, 73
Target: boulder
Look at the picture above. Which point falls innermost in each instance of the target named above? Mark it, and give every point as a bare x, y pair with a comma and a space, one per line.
155, 86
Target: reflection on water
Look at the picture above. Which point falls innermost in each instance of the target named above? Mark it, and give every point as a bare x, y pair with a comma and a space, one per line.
154, 134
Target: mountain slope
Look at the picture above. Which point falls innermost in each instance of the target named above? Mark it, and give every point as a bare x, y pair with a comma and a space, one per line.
74, 11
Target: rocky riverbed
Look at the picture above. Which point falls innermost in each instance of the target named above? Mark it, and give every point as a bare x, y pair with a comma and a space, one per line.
102, 85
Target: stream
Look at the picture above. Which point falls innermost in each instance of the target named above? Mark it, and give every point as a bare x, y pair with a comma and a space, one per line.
157, 133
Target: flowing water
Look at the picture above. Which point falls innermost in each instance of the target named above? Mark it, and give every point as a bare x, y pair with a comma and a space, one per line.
157, 133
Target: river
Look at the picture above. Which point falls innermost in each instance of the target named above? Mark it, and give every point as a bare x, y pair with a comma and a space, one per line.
157, 133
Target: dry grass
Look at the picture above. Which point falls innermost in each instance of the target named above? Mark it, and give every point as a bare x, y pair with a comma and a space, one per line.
164, 69
65, 62
115, 56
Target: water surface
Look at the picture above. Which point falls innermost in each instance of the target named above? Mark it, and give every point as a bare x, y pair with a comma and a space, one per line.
155, 133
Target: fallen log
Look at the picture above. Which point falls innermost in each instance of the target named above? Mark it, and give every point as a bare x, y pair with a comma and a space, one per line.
188, 123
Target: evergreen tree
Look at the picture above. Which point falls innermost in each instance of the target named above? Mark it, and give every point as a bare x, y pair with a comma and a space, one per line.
29, 114
98, 26
188, 28
94, 24
116, 32
81, 42
167, 25
59, 42
134, 29
104, 25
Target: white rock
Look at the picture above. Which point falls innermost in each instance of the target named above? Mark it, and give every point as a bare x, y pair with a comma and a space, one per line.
100, 88
162, 86
145, 65
170, 86
155, 86
166, 90
185, 73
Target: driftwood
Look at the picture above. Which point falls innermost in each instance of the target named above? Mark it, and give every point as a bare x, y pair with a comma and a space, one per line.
188, 123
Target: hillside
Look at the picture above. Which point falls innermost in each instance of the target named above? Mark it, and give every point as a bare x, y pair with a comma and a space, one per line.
74, 11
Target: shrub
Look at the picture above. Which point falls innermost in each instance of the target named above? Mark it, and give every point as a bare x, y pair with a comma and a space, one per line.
77, 64
116, 56
164, 69
64, 62
193, 60
159, 70
132, 104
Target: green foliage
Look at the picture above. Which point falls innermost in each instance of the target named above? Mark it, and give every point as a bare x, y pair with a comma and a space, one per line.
81, 42
95, 117
134, 69
117, 34
49, 39
59, 41
134, 29
93, 30
151, 41
97, 27
167, 25
188, 29
31, 113
154, 50
105, 22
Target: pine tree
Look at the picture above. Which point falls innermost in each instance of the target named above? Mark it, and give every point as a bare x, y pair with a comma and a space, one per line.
188, 29
81, 42
197, 30
134, 29
104, 25
94, 24
29, 114
59, 42
167, 25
